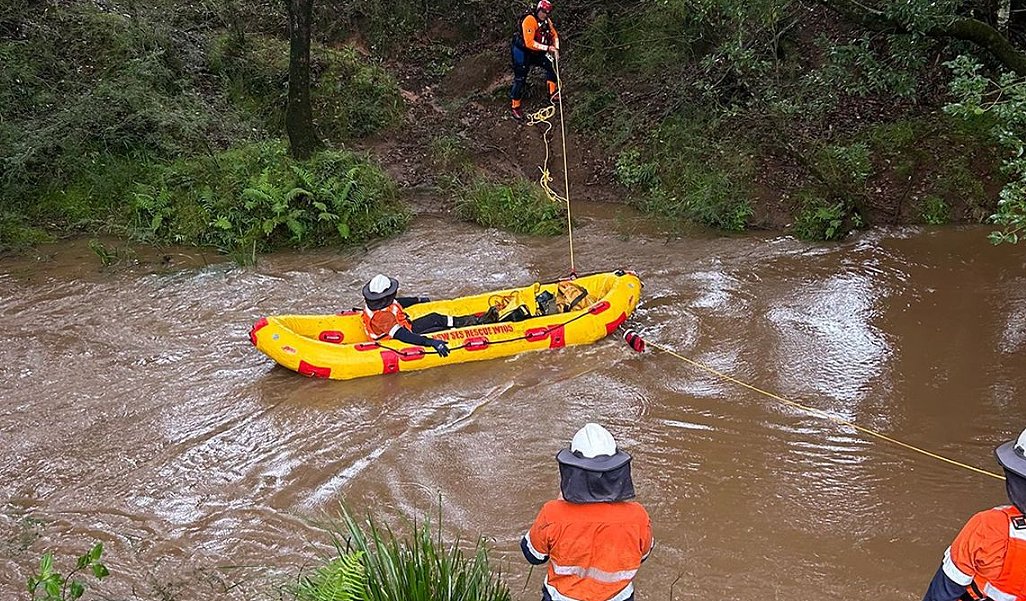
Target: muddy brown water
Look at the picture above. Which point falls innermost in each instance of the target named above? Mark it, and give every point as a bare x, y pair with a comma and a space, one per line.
134, 411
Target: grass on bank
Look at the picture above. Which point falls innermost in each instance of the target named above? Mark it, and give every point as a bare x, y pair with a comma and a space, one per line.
679, 171
374, 563
516, 205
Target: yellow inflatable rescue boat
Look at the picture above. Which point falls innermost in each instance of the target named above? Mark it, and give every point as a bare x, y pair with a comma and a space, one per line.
337, 347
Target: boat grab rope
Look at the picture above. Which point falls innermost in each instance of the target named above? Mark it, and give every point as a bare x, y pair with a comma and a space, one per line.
820, 413
545, 116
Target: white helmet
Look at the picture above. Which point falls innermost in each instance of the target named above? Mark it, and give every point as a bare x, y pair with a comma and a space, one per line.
380, 286
593, 440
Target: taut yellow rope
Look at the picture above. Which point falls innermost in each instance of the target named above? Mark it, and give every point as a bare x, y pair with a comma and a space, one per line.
823, 414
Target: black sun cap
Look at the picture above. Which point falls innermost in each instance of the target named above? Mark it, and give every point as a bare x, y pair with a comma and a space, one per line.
1012, 455
380, 287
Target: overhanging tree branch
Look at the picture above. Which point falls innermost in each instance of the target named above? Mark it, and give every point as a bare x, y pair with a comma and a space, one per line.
961, 28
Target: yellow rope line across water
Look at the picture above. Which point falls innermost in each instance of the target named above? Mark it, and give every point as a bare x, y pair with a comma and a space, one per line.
823, 414
545, 116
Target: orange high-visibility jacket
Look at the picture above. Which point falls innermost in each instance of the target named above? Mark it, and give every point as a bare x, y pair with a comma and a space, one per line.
594, 549
988, 556
385, 322
538, 36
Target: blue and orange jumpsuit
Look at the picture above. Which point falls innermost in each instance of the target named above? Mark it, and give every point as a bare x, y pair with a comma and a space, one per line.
593, 549
530, 43
987, 560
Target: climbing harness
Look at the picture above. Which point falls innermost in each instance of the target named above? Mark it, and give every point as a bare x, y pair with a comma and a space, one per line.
545, 116
821, 413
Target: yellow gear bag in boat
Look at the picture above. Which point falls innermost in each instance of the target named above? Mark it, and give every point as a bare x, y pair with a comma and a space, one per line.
571, 297
525, 299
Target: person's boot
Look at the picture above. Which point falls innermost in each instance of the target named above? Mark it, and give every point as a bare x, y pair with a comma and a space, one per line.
463, 321
554, 97
489, 316
519, 114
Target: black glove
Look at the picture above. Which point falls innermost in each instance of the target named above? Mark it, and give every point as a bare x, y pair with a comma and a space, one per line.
441, 348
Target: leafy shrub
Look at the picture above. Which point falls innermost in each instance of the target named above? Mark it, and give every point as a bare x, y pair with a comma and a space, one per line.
934, 211
692, 175
419, 567
84, 83
844, 168
48, 585
633, 173
820, 219
519, 206
351, 96
258, 197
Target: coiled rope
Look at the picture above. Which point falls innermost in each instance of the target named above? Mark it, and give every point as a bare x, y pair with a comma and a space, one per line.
825, 415
545, 116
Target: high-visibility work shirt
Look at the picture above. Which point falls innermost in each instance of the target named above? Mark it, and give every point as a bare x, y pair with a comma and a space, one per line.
988, 556
384, 322
594, 549
530, 31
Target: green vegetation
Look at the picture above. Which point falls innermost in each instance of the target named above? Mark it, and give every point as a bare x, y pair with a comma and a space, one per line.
49, 585
516, 205
688, 176
841, 126
257, 197
1003, 100
342, 578
373, 563
118, 121
935, 211
351, 96
450, 154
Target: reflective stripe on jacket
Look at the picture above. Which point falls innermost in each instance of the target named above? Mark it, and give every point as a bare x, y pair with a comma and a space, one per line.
594, 549
988, 556
384, 322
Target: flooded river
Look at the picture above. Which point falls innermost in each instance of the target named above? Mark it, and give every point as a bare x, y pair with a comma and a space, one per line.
134, 411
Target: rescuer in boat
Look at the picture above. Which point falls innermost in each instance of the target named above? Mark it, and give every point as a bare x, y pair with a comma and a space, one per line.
383, 316
593, 537
987, 560
535, 44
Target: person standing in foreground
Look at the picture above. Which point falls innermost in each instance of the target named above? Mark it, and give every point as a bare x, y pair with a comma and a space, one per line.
987, 560
593, 537
534, 39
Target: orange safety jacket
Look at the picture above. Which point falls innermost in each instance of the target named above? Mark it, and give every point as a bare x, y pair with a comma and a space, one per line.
988, 556
535, 35
594, 549
384, 322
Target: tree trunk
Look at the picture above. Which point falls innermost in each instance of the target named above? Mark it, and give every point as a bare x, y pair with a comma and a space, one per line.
299, 112
1003, 14
962, 28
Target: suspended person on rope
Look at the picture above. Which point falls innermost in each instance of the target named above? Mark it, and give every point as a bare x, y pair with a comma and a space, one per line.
534, 41
987, 560
593, 536
383, 316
